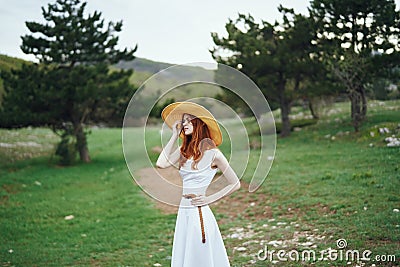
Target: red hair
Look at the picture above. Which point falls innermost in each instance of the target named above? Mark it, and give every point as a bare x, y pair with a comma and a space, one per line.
195, 144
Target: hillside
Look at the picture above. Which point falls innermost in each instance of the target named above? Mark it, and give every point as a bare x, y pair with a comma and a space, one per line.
139, 64
143, 70
6, 64
144, 65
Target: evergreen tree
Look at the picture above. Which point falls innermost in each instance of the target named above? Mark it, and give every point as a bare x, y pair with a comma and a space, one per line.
276, 56
360, 43
72, 85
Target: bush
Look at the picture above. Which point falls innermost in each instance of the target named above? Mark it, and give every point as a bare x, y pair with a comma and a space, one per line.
66, 149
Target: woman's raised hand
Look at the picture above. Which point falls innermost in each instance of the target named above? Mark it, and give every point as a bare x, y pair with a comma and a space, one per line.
176, 128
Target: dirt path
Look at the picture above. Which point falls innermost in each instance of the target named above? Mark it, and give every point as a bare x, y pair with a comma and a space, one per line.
163, 184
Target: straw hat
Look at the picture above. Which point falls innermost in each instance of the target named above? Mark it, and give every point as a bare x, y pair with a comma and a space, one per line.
175, 111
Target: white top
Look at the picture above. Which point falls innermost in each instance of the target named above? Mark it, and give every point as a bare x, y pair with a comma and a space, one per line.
197, 181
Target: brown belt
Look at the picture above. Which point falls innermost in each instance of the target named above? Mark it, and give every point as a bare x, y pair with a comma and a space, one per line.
203, 235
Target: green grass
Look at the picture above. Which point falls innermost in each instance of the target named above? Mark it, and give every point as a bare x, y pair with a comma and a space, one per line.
332, 183
326, 183
110, 212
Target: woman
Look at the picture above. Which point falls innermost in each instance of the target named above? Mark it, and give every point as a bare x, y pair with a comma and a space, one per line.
197, 239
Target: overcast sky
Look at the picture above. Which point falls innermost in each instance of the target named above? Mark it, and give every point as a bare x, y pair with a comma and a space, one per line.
174, 31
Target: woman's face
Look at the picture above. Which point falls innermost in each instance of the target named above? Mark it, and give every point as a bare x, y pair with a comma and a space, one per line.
187, 124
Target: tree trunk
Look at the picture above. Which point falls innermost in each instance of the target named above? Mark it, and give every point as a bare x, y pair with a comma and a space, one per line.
285, 110
364, 102
356, 117
311, 107
359, 106
81, 143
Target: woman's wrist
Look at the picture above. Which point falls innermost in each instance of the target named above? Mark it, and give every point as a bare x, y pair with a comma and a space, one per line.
209, 199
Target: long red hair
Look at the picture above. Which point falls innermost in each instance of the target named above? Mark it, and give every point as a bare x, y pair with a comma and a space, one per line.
195, 144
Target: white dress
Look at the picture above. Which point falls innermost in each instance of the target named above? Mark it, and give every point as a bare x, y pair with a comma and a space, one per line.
188, 250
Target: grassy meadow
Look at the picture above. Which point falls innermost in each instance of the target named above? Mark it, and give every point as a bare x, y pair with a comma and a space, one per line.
326, 183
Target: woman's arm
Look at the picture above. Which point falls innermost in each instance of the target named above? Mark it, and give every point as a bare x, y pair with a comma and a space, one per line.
168, 156
234, 184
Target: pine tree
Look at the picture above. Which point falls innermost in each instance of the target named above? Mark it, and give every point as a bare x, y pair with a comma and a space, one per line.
275, 55
360, 41
73, 84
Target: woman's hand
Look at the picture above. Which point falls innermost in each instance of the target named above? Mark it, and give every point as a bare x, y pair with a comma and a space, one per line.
200, 200
176, 128
169, 157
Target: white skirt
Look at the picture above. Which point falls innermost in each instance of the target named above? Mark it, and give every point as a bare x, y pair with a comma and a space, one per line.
188, 249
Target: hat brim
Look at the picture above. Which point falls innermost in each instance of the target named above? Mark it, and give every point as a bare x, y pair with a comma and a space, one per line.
174, 112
